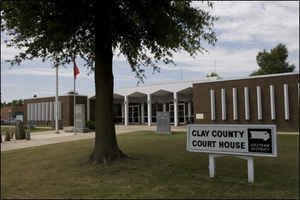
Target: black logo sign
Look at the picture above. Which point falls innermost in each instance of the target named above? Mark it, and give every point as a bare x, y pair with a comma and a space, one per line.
260, 140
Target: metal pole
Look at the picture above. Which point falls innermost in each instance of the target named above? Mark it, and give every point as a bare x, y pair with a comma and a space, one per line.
74, 104
56, 102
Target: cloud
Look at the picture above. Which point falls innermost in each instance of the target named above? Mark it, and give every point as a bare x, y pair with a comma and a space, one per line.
42, 71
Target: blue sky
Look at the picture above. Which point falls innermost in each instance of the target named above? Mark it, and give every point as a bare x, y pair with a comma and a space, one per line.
244, 29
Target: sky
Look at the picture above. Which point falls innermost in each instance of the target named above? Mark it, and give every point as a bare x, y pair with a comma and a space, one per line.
243, 29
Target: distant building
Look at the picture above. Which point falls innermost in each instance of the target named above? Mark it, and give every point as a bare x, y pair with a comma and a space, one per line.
10, 112
41, 111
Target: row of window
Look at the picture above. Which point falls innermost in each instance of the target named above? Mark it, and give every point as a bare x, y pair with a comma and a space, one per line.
247, 103
44, 111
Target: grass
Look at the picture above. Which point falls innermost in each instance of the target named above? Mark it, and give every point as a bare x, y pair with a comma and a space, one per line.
162, 169
33, 130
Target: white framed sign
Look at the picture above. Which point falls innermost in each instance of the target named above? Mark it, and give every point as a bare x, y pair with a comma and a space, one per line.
233, 139
199, 115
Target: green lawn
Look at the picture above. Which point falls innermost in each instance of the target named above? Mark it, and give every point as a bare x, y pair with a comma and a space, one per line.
3, 129
162, 169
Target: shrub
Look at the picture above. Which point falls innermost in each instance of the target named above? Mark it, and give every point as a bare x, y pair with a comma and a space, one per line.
90, 125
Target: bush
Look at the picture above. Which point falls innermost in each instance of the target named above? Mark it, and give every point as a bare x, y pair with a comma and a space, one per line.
90, 125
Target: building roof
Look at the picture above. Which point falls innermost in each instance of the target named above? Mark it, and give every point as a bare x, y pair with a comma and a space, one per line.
179, 86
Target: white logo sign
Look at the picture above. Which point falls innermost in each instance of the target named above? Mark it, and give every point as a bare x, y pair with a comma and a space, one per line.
260, 135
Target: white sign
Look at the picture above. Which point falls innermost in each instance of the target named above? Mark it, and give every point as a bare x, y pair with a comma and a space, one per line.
231, 139
199, 116
19, 117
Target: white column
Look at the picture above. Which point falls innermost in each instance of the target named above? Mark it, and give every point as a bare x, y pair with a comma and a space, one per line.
247, 109
47, 111
175, 109
36, 111
272, 102
28, 112
223, 103
259, 106
189, 110
88, 110
149, 110
126, 111
51, 111
40, 112
59, 110
43, 111
164, 107
142, 113
212, 105
286, 102
234, 100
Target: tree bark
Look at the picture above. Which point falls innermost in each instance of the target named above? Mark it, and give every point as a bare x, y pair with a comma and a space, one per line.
106, 148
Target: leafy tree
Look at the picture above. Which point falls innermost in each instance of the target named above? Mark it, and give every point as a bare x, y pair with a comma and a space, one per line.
213, 74
273, 62
146, 32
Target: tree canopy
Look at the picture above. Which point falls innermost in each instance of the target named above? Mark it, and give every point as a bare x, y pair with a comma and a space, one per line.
146, 32
274, 61
212, 74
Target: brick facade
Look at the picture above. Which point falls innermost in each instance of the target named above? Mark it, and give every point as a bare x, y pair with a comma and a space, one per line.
202, 101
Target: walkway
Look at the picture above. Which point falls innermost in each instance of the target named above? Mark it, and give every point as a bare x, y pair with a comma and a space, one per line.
50, 137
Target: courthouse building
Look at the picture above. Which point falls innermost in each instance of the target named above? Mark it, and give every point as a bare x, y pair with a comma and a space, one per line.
266, 99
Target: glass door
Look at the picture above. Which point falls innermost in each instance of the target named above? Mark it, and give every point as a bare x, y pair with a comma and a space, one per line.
134, 114
180, 115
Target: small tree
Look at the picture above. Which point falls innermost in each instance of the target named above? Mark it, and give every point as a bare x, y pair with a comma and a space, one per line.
273, 62
213, 74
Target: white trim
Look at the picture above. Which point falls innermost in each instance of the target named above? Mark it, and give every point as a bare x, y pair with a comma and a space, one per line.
247, 109
47, 111
286, 102
250, 77
223, 102
272, 103
149, 109
234, 101
126, 110
212, 105
175, 109
36, 109
51, 111
259, 106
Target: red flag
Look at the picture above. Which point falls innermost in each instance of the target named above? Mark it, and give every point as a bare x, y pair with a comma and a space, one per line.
76, 70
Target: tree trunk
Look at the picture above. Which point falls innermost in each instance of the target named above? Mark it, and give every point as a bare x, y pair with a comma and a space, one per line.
106, 147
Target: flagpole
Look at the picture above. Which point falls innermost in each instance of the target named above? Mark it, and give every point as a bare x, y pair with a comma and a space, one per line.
74, 103
56, 102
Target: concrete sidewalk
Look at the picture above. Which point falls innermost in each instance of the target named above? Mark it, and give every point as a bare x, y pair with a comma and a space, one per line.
50, 137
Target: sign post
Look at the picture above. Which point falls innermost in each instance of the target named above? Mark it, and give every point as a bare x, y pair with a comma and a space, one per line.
242, 141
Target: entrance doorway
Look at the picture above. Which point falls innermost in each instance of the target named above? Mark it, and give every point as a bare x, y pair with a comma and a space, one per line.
134, 114
181, 113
